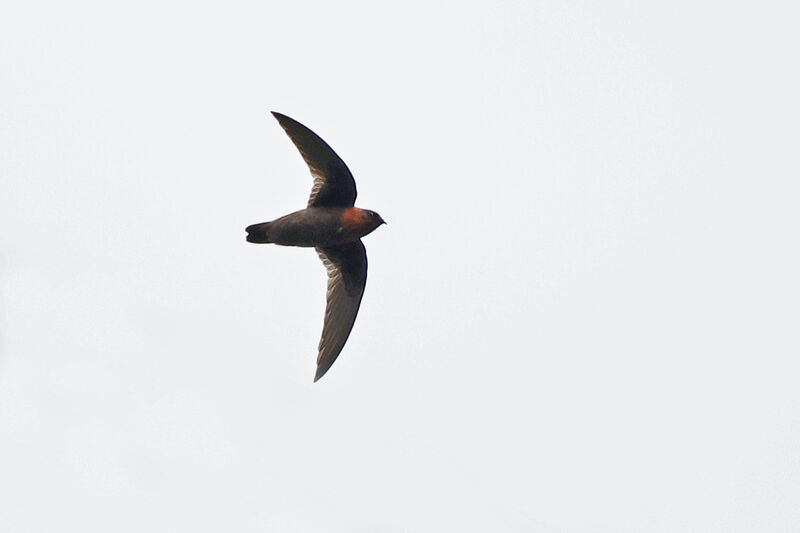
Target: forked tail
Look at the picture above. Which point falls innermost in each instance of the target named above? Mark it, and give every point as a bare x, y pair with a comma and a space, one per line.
258, 233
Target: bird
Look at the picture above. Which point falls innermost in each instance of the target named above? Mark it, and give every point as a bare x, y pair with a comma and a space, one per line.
332, 225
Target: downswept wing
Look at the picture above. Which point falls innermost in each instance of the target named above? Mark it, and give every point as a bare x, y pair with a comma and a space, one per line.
334, 185
347, 277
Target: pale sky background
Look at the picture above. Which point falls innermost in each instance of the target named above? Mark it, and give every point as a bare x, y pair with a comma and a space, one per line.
583, 315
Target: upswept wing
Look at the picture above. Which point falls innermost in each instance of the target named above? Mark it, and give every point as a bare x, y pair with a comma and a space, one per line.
347, 276
334, 185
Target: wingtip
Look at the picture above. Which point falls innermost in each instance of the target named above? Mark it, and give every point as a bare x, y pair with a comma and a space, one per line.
319, 374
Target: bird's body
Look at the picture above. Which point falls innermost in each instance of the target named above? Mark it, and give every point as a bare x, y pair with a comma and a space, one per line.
316, 227
332, 225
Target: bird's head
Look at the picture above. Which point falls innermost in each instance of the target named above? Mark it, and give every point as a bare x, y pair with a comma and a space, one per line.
374, 218
362, 221
371, 220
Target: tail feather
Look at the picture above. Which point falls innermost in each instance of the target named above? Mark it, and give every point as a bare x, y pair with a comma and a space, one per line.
258, 233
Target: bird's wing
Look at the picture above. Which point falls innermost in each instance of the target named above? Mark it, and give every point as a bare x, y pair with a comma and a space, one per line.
334, 185
347, 276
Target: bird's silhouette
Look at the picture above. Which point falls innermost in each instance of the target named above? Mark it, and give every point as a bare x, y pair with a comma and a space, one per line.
334, 226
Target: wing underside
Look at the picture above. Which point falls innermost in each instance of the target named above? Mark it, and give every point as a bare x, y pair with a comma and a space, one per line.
334, 185
347, 277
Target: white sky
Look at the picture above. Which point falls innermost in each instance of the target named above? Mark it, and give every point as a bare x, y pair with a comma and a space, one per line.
582, 316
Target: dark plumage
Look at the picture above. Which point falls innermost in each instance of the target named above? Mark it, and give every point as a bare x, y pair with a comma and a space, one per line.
331, 224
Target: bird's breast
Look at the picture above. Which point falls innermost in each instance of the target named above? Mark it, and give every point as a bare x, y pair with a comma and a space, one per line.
354, 219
